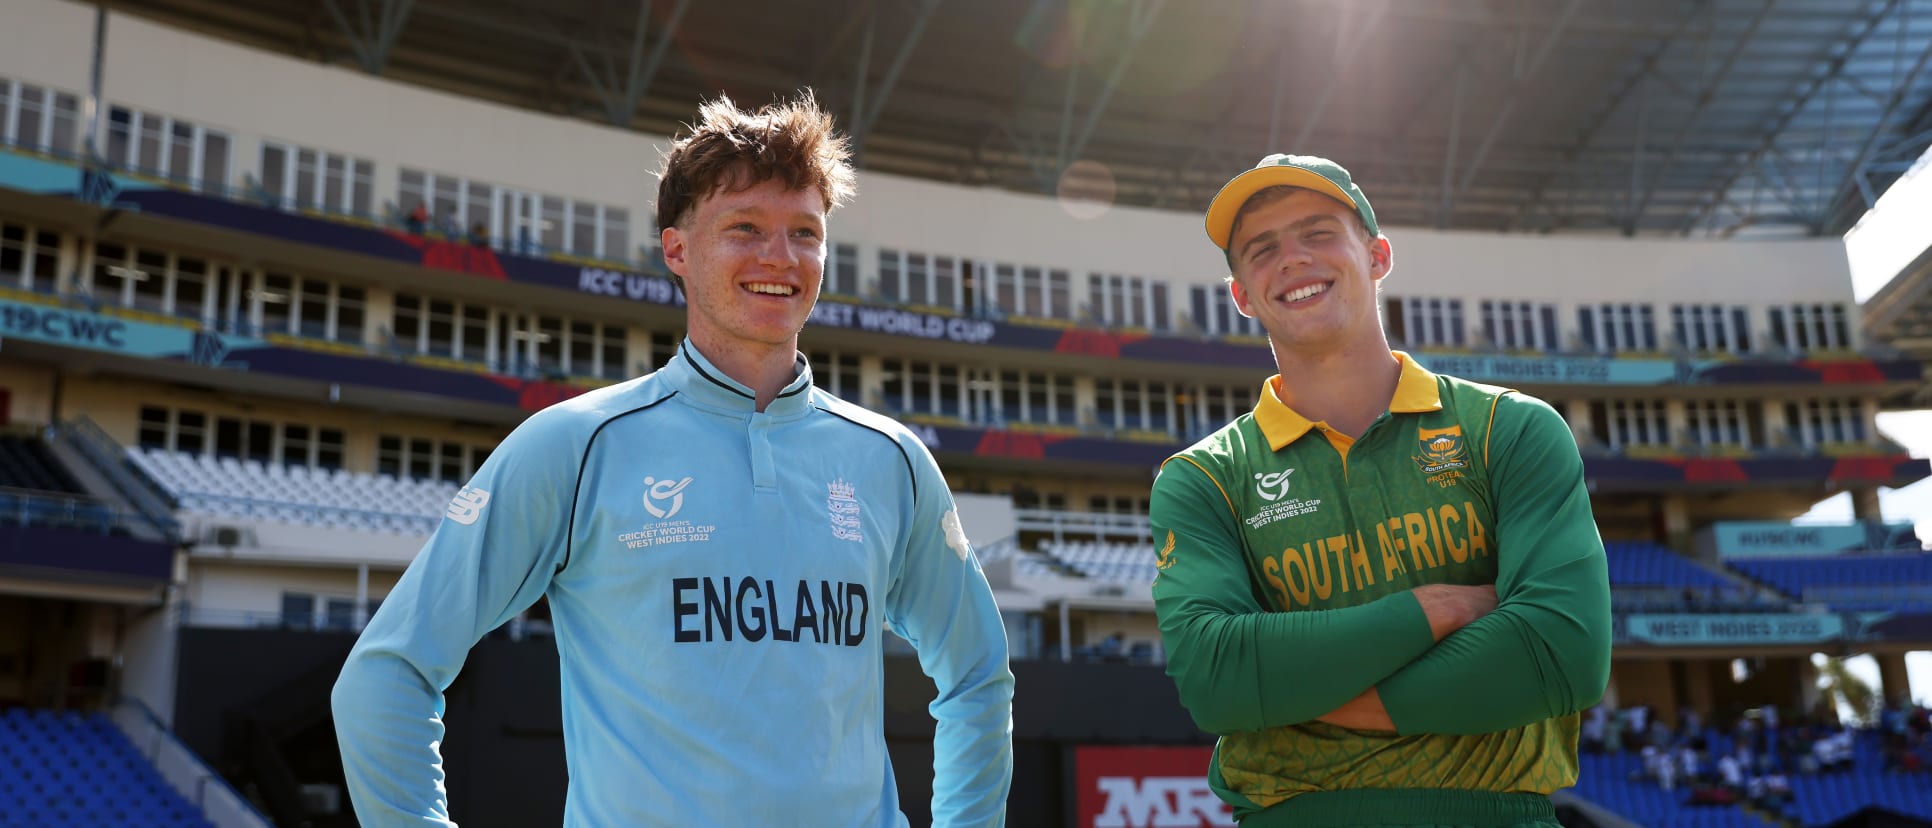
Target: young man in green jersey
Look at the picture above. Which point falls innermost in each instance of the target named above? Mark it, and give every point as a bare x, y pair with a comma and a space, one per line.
1383, 588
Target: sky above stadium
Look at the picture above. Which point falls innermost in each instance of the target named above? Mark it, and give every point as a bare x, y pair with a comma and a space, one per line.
1888, 238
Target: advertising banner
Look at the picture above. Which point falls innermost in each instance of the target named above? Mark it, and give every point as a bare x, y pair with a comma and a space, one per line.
1146, 787
1728, 630
1761, 539
1545, 370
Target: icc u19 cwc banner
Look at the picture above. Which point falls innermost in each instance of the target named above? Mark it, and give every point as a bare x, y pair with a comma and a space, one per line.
1145, 787
1731, 630
1767, 538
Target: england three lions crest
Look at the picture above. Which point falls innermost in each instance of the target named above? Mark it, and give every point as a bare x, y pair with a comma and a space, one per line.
1442, 449
842, 504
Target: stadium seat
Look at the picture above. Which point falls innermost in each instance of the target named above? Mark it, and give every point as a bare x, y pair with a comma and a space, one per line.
78, 771
1637, 564
1849, 582
229, 487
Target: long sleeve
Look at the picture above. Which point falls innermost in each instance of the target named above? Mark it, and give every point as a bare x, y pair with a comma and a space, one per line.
1545, 650
940, 601
1238, 666
492, 557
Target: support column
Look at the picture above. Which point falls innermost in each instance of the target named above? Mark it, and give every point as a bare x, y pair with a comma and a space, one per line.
1577, 414
1697, 688
1776, 430
378, 319
362, 595
1865, 503
1066, 633
1675, 511
1894, 682
1808, 693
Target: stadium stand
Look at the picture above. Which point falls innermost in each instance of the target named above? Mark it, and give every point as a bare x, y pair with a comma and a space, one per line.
1111, 563
182, 296
72, 770
1649, 564
27, 463
1825, 798
1849, 583
212, 485
1615, 782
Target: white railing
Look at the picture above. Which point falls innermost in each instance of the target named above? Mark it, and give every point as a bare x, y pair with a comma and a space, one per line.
1062, 524
184, 771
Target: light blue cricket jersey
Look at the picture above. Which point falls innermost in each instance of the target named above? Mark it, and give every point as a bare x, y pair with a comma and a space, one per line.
717, 578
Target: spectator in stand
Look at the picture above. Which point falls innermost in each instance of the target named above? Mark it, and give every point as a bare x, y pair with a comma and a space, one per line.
1891, 720
479, 235
1639, 723
1654, 764
417, 221
1730, 769
1613, 735
1747, 730
1777, 792
1594, 725
1666, 769
1659, 734
1840, 752
1824, 754
1690, 764
1690, 724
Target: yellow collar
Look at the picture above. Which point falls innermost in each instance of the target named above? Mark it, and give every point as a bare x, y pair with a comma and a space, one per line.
1415, 392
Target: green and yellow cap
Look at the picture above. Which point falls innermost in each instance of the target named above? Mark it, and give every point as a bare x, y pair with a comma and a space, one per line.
1305, 171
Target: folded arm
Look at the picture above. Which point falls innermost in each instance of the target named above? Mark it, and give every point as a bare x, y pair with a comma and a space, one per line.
1241, 667
1545, 651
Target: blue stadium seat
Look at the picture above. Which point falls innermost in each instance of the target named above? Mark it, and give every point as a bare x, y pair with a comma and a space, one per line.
1637, 564
66, 770
1902, 574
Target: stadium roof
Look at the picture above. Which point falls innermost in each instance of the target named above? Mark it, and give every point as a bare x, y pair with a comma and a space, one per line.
1899, 315
1638, 116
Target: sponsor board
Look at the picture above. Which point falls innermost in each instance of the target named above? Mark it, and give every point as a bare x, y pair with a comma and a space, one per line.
1146, 787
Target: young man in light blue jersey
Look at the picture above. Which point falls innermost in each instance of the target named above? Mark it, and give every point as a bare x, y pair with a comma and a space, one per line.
719, 542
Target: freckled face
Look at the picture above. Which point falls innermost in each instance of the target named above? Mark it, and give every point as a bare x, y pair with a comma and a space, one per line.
752, 262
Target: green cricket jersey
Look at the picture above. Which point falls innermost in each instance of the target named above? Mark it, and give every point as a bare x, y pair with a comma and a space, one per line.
1286, 555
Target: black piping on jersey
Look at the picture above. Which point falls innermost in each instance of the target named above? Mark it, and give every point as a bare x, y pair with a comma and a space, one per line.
796, 370
890, 439
795, 391
570, 534
727, 386
695, 366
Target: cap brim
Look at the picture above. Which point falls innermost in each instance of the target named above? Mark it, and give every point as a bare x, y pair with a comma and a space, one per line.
1227, 203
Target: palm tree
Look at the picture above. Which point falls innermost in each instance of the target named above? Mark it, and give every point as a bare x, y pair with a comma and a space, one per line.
1847, 691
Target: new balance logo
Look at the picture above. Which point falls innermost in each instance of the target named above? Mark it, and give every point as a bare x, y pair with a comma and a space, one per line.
1160, 802
468, 505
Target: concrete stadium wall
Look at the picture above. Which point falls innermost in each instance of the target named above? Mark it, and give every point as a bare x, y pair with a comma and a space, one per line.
115, 405
256, 95
225, 588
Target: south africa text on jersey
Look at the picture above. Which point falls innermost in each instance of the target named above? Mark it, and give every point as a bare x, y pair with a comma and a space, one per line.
659, 534
1312, 573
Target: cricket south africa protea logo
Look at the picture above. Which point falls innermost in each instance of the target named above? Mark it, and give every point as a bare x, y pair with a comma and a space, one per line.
1441, 448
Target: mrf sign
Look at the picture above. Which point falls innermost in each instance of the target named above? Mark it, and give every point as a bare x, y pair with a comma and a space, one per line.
1146, 787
